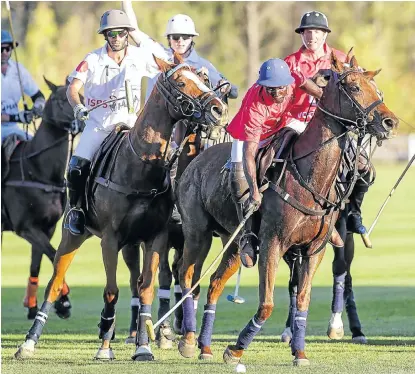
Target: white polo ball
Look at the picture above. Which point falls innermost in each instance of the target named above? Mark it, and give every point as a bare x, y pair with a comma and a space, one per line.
240, 368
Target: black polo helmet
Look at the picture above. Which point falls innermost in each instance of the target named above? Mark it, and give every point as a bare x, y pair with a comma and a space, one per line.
313, 20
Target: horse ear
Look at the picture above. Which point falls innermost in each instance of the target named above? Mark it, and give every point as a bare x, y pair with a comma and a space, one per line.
178, 59
349, 55
163, 65
354, 63
336, 65
52, 87
371, 74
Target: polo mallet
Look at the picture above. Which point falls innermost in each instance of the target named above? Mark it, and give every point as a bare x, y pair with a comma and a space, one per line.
235, 298
149, 323
365, 237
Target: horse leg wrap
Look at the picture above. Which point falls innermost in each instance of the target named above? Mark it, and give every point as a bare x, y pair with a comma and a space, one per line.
107, 325
135, 308
293, 309
354, 322
30, 300
40, 321
298, 339
205, 336
164, 302
189, 317
338, 292
142, 336
248, 333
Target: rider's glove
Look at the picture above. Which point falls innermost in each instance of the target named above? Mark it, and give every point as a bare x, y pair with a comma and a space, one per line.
80, 112
25, 116
38, 106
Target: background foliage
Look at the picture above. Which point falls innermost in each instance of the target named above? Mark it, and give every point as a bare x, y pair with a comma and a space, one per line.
235, 36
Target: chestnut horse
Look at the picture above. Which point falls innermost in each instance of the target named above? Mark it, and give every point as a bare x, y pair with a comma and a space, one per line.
141, 212
301, 203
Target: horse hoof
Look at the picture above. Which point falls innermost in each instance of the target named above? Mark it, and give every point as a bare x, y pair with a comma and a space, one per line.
143, 353
301, 362
31, 313
177, 326
130, 340
206, 356
359, 339
286, 335
187, 350
164, 343
335, 333
26, 350
229, 357
105, 354
63, 307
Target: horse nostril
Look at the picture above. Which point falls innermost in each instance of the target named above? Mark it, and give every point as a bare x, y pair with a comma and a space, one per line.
388, 123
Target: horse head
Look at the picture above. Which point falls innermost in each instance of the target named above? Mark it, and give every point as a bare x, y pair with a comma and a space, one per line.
58, 111
188, 97
352, 97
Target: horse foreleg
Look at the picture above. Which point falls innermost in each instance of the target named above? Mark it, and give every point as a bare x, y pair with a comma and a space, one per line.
63, 258
195, 251
178, 313
351, 309
306, 270
164, 335
228, 266
146, 295
267, 267
110, 248
131, 255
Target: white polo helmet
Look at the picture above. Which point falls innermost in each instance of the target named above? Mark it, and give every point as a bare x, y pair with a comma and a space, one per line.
181, 24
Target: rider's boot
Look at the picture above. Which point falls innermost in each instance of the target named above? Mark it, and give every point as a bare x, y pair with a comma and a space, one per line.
354, 221
77, 174
248, 243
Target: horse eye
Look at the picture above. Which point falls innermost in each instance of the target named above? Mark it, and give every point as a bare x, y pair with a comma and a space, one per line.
354, 88
181, 84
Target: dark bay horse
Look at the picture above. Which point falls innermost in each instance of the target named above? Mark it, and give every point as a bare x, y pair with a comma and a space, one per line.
141, 214
33, 191
297, 214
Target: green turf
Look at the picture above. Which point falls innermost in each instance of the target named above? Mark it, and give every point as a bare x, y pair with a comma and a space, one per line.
384, 281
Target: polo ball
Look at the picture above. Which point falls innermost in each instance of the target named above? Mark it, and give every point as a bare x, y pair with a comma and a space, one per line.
240, 368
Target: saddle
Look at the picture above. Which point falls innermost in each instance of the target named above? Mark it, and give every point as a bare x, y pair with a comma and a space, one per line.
8, 147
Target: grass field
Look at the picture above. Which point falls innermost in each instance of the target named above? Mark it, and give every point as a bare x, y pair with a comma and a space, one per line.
384, 281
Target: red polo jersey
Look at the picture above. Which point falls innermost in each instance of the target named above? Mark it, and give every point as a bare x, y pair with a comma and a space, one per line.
259, 116
304, 62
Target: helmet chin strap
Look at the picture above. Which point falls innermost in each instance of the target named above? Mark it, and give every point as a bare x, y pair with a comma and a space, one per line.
319, 47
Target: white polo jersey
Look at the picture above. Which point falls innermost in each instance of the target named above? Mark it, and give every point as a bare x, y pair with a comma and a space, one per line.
104, 80
10, 88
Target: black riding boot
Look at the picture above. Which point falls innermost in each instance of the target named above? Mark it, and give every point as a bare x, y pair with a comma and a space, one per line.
354, 221
248, 243
77, 175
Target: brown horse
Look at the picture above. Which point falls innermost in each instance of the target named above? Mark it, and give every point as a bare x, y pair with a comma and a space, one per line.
136, 206
33, 191
297, 214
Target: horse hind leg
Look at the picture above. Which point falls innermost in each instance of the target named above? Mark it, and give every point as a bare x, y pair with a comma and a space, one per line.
228, 266
351, 309
131, 255
63, 258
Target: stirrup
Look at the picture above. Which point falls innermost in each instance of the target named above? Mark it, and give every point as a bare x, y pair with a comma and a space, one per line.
248, 244
67, 225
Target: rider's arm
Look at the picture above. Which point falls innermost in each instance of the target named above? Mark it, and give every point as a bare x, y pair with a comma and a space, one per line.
307, 84
72, 92
250, 150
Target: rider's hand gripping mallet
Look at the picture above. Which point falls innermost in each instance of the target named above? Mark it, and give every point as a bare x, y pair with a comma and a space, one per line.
235, 298
149, 323
365, 237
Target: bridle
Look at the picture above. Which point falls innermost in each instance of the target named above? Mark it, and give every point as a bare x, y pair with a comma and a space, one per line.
193, 109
